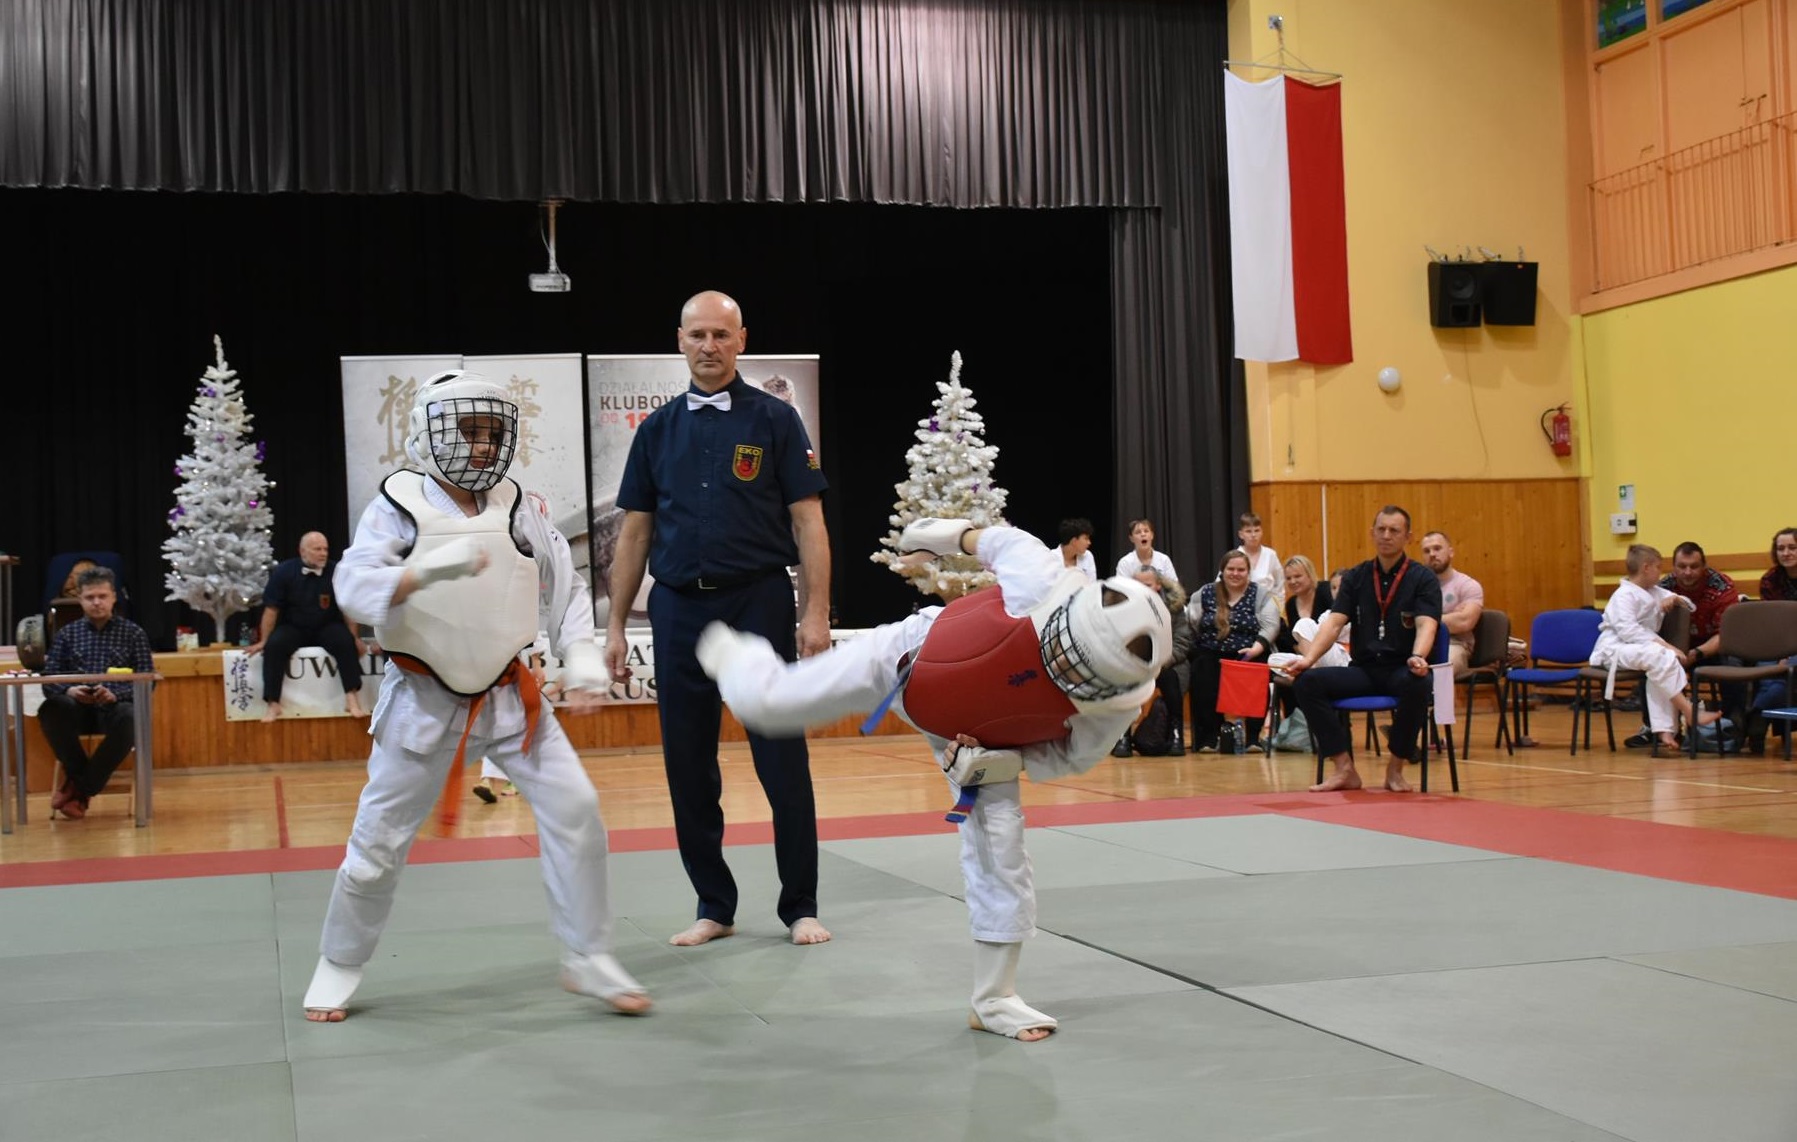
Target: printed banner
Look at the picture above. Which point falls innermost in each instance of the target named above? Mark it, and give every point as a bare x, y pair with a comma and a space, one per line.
313, 688
377, 405
621, 392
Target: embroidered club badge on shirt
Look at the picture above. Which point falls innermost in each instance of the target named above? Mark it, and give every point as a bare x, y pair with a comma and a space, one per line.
747, 464
811, 459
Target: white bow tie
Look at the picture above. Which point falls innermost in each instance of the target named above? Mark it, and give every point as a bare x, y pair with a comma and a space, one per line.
719, 401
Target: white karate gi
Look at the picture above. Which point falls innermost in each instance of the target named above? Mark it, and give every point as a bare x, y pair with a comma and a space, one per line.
1629, 639
417, 724
784, 698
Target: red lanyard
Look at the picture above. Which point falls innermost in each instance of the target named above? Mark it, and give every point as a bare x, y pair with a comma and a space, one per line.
1385, 598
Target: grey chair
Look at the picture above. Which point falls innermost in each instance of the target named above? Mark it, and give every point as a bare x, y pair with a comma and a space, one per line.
1762, 634
1490, 658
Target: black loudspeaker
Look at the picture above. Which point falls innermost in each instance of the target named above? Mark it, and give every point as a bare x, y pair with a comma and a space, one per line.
1507, 291
1453, 295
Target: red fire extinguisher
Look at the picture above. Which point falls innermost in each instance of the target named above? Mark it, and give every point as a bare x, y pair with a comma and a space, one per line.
1557, 427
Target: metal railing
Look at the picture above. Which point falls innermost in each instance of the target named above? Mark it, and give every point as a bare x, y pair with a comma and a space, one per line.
1729, 195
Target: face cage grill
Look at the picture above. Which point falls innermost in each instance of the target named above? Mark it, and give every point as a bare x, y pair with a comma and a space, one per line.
1067, 663
454, 452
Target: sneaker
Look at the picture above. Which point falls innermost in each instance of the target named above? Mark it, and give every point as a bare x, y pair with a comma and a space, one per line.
1643, 739
1123, 748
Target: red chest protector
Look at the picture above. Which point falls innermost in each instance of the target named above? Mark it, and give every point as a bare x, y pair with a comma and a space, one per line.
979, 672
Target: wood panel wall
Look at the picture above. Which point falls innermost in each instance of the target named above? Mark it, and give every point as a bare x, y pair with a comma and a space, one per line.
1523, 540
190, 731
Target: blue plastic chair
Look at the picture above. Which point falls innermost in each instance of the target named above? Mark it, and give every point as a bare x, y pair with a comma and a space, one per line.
1371, 704
1561, 639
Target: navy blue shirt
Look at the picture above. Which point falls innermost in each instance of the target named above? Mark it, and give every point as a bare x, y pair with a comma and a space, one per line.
1418, 595
82, 648
719, 484
305, 601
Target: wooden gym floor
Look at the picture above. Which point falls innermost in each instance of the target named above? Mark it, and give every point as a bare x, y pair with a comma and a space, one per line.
249, 809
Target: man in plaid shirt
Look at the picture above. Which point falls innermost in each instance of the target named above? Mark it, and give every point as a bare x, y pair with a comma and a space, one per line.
97, 642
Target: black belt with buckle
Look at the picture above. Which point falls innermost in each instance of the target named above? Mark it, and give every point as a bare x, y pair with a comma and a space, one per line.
707, 583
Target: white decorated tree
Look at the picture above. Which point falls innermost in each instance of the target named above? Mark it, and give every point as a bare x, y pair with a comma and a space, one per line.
220, 554
950, 478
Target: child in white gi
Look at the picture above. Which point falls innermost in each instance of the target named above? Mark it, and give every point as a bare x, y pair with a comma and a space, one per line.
1041, 673
446, 566
1629, 639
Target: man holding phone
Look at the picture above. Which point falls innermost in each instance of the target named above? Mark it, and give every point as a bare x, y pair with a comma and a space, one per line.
98, 642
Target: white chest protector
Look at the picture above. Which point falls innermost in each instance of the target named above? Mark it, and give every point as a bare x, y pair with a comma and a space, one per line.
466, 631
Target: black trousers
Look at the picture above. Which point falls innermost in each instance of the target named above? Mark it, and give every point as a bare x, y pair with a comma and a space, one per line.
1207, 677
1318, 689
64, 720
287, 638
1174, 695
691, 713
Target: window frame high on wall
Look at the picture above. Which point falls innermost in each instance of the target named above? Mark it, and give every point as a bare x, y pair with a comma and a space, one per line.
1692, 172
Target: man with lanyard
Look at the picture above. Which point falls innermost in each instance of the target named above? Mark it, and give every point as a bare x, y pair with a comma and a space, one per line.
720, 495
1395, 605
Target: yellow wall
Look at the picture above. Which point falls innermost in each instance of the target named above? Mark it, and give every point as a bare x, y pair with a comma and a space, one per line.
1454, 134
1691, 401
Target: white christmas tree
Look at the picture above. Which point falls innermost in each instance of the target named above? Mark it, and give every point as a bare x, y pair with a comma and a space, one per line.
951, 478
220, 554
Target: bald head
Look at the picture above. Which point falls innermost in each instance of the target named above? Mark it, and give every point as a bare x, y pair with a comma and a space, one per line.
711, 336
314, 549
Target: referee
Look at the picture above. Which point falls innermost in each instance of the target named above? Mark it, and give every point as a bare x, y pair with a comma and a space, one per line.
720, 495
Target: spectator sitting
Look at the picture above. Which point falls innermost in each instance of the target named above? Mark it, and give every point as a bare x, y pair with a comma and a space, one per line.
1231, 618
99, 641
1462, 599
1264, 568
1711, 593
1305, 608
1781, 581
1778, 583
1143, 557
1629, 639
1395, 606
1076, 547
299, 609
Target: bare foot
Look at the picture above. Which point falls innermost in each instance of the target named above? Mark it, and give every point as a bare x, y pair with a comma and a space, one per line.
702, 932
353, 705
1667, 741
1345, 777
326, 1014
1395, 781
1034, 1034
271, 712
629, 1003
806, 930
1707, 717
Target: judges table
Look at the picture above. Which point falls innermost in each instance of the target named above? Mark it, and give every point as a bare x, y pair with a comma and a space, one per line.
12, 737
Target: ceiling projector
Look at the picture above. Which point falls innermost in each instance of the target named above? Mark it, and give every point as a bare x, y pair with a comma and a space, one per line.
552, 282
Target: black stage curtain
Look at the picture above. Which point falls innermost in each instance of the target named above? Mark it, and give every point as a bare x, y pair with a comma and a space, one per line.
123, 292
960, 103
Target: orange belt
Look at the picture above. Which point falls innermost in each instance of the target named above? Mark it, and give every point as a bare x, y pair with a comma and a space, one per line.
448, 804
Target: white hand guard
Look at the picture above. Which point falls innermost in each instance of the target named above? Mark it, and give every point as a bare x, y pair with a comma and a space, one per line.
976, 765
936, 536
583, 668
457, 559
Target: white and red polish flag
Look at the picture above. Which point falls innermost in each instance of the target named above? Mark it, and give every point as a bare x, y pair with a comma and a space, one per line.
1288, 221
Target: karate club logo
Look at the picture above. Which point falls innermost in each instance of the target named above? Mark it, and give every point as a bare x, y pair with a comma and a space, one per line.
747, 464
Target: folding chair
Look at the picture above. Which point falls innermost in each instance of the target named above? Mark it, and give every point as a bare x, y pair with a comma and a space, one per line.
1563, 640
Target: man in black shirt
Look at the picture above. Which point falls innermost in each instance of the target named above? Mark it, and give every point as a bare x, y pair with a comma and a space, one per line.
299, 609
1395, 606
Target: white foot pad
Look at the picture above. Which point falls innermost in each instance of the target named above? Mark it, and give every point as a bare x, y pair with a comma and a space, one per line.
717, 648
1009, 1015
936, 536
599, 975
332, 986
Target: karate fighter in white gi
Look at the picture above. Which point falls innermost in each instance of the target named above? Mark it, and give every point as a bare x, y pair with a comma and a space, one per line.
1629, 639
446, 566
1040, 674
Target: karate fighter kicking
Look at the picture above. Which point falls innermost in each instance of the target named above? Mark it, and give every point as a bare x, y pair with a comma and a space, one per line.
447, 565
1040, 674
